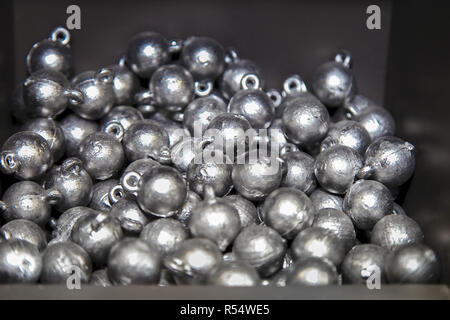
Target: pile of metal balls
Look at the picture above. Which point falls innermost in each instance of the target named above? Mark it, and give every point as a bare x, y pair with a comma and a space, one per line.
107, 187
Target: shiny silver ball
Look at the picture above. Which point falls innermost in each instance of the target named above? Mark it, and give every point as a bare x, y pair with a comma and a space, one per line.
248, 214
353, 107
322, 199
377, 121
230, 81
389, 160
26, 155
97, 233
305, 120
99, 278
26, 230
165, 235
130, 216
319, 243
193, 261
366, 202
299, 171
146, 138
62, 228
125, 84
184, 213
234, 274
394, 231
361, 261
100, 195
183, 152
146, 52
172, 87
124, 115
336, 168
288, 211
75, 129
129, 182
347, 133
102, 155
261, 247
51, 132
201, 111
20, 262
203, 57
97, 94
64, 259
133, 261
312, 271
413, 263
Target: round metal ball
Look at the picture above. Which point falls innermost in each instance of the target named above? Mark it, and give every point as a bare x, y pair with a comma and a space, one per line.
230, 81
354, 106
26, 230
184, 152
322, 199
130, 216
129, 183
75, 129
201, 111
100, 195
255, 105
20, 262
66, 222
377, 121
347, 133
124, 115
234, 274
299, 171
125, 84
312, 272
248, 214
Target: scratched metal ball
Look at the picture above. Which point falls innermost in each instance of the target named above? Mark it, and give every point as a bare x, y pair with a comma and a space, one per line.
125, 84
100, 195
97, 94
128, 181
26, 155
75, 129
146, 52
97, 233
130, 216
299, 171
26, 200
361, 261
389, 160
305, 120
165, 235
99, 278
394, 231
347, 133
62, 228
366, 202
64, 259
336, 168
52, 54
234, 274
20, 262
288, 211
248, 214
377, 121
203, 57
51, 132
230, 81
255, 105
24, 230
319, 243
193, 261
124, 115
102, 155
312, 271
322, 199
185, 212
337, 222
172, 87
261, 247
353, 107
413, 263
201, 111
146, 138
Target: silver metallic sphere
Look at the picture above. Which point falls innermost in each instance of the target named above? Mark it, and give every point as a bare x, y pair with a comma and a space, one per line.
99, 278
234, 274
319, 243
394, 231
361, 261
97, 233
24, 230
288, 211
193, 261
389, 160
413, 263
75, 129
322, 199
276, 135
261, 247
203, 57
377, 121
51, 132
366, 202
353, 107
26, 155
184, 151
245, 208
64, 259
230, 81
133, 261
97, 94
129, 182
124, 115
130, 216
102, 155
184, 213
347, 133
336, 168
172, 87
146, 138
165, 235
125, 84
201, 111
299, 171
67, 221
52, 54
312, 271
146, 52
20, 262
100, 195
